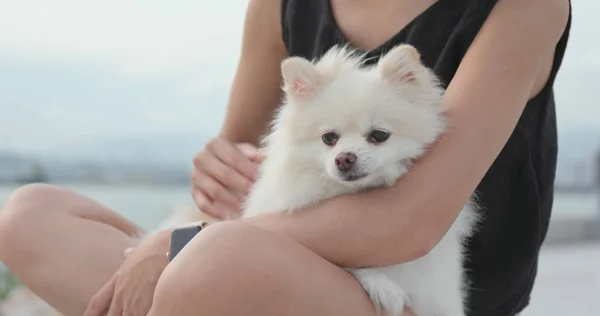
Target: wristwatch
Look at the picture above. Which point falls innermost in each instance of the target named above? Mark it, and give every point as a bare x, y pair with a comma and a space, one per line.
181, 236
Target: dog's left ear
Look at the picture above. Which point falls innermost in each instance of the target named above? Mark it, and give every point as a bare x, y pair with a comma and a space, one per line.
401, 64
300, 77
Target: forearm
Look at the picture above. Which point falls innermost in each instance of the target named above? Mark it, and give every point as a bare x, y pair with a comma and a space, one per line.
160, 241
348, 231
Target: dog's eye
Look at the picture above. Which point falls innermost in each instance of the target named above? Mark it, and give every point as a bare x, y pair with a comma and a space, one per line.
378, 136
330, 138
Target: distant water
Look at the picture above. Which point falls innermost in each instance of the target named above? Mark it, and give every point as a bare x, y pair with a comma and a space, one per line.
144, 205
148, 205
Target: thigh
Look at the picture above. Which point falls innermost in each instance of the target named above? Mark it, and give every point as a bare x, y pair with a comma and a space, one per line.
61, 245
239, 269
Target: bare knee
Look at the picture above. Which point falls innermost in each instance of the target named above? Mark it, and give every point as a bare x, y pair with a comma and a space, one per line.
27, 203
219, 267
22, 212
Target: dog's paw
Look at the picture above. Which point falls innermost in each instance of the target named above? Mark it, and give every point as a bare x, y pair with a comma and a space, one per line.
385, 294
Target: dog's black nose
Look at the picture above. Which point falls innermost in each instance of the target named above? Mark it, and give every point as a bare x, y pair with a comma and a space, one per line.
345, 161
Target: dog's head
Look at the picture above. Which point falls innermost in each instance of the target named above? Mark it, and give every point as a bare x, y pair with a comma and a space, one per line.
359, 125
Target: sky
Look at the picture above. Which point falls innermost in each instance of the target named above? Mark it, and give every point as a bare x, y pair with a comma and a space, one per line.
78, 71
83, 72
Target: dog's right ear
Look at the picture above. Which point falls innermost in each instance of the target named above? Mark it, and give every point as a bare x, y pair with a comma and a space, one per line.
300, 77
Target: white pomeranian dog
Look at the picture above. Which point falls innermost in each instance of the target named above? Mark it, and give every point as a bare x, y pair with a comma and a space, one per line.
345, 127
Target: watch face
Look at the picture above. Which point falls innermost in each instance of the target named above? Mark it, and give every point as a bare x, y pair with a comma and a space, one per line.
181, 237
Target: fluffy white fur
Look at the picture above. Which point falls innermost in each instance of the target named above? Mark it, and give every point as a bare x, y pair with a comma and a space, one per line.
339, 94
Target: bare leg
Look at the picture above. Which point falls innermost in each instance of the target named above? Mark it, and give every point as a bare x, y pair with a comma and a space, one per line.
234, 269
61, 245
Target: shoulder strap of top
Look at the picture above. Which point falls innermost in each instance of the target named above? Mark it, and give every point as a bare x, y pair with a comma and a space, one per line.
561, 48
284, 32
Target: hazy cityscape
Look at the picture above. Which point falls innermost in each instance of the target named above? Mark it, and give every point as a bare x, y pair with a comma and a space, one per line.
167, 159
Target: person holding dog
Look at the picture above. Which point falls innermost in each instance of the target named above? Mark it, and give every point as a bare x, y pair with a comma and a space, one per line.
498, 60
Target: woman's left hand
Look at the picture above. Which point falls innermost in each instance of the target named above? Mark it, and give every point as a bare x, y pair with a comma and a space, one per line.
131, 289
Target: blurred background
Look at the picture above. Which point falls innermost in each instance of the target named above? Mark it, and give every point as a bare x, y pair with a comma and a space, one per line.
113, 98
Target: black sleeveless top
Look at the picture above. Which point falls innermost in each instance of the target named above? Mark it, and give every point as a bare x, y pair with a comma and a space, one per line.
517, 191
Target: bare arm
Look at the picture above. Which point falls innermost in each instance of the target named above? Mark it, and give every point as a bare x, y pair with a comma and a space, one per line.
225, 168
507, 63
256, 90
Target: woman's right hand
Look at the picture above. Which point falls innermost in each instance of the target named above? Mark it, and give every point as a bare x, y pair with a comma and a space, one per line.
223, 175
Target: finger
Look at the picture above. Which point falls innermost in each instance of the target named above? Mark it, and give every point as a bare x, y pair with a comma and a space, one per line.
214, 190
116, 308
250, 151
226, 175
206, 205
231, 156
100, 303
